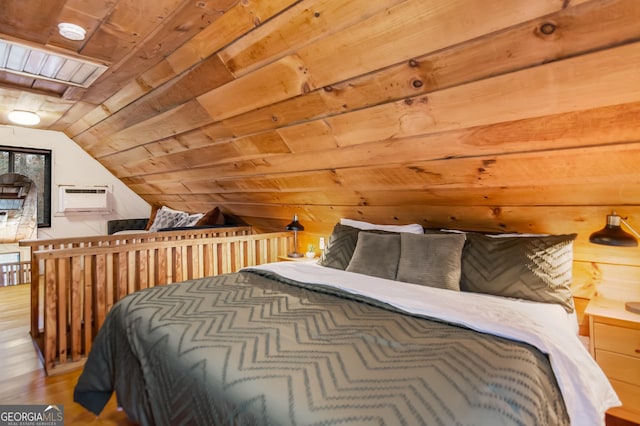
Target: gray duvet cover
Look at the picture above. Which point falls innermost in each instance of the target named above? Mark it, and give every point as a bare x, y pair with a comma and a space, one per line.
246, 348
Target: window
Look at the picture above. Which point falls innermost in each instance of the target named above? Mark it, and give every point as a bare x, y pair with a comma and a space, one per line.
9, 258
36, 165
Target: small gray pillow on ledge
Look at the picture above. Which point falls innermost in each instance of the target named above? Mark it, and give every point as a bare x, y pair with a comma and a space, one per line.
376, 255
432, 260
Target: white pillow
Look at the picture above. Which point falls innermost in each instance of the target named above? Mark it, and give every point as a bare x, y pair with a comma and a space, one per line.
413, 228
167, 218
515, 234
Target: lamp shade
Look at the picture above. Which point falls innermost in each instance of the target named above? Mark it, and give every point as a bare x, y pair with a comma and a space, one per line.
295, 225
612, 234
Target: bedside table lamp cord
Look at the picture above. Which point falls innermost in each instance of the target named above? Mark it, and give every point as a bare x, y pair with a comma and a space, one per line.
613, 235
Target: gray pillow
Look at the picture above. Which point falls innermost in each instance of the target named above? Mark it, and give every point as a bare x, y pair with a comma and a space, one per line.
432, 260
376, 255
530, 268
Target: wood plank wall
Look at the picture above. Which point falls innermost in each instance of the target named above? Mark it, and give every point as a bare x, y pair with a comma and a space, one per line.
500, 115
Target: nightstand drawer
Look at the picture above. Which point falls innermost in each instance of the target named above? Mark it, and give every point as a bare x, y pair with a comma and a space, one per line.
630, 397
619, 367
617, 339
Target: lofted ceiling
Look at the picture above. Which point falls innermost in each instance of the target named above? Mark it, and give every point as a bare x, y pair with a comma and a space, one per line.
389, 110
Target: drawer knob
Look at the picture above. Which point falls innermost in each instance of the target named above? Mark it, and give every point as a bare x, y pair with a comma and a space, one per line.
638, 351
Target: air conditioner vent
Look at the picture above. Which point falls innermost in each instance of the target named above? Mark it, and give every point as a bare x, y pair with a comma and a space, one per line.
84, 191
84, 199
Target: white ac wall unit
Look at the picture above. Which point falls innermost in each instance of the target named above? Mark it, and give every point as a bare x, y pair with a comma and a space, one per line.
84, 199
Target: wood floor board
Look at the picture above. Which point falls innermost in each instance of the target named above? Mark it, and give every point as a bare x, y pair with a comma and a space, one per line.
22, 379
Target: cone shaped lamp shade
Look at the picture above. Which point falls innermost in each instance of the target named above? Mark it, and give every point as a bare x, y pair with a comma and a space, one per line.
295, 226
613, 235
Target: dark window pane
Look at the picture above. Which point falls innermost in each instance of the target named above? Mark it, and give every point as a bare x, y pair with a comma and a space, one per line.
36, 165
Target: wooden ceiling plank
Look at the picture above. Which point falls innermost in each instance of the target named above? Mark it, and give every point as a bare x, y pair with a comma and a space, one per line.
462, 64
418, 27
587, 166
186, 20
72, 115
32, 20
278, 80
549, 89
470, 53
505, 196
141, 155
300, 25
605, 125
202, 78
226, 150
130, 92
577, 30
126, 26
175, 121
28, 89
238, 20
177, 62
312, 136
275, 82
88, 14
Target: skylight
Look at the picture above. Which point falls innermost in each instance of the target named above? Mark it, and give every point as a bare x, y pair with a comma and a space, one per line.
32, 62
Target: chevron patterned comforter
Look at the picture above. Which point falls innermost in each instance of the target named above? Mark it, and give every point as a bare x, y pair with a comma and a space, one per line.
257, 348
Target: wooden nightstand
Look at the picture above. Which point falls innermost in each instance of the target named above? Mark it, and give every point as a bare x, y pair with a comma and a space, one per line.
298, 259
615, 345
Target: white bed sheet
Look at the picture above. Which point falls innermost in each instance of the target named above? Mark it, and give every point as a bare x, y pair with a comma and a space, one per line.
586, 391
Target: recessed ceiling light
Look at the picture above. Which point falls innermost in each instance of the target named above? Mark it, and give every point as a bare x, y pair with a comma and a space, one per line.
71, 31
25, 118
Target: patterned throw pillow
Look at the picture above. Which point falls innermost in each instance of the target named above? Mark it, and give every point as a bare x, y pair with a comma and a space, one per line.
537, 268
189, 220
166, 218
339, 250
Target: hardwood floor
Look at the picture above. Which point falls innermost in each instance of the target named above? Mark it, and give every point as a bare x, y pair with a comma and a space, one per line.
22, 379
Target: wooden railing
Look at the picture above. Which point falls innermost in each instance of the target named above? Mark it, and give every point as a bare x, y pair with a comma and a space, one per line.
37, 276
13, 273
82, 284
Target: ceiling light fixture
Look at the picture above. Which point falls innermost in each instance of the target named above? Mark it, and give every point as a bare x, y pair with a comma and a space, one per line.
71, 31
25, 118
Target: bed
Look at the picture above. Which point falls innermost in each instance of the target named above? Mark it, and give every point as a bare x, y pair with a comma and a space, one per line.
307, 343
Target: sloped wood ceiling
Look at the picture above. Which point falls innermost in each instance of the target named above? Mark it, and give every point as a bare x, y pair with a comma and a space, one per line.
503, 115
